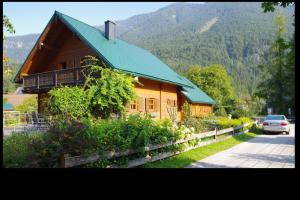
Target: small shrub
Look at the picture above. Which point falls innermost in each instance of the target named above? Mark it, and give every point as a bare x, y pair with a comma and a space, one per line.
68, 103
17, 151
224, 122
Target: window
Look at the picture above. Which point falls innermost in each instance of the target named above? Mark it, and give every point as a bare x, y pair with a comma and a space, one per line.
275, 117
134, 105
151, 105
171, 103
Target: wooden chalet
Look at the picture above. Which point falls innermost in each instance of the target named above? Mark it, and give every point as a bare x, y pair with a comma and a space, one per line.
55, 60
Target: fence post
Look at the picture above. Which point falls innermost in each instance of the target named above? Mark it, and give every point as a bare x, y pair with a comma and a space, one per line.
55, 78
38, 81
62, 161
215, 133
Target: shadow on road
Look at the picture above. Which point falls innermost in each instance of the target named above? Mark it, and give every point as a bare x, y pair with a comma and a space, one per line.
208, 165
271, 157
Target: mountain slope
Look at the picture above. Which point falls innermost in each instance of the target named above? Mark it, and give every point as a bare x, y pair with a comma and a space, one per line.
235, 35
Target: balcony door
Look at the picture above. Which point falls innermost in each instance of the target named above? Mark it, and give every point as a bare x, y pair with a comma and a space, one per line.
62, 65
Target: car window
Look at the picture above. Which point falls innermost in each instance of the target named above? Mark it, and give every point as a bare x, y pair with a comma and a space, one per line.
274, 117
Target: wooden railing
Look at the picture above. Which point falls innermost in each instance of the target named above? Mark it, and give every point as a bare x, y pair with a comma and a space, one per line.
71, 76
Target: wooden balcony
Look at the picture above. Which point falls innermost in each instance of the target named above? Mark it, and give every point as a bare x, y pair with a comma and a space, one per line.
35, 83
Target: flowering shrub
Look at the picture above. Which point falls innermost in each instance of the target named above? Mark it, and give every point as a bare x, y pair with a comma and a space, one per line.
185, 132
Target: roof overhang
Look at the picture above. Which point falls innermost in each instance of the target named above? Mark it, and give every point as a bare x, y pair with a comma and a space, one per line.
26, 64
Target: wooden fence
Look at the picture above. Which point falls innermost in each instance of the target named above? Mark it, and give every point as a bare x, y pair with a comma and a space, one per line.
67, 161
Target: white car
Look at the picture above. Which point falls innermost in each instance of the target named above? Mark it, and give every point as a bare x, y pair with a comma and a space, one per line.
276, 123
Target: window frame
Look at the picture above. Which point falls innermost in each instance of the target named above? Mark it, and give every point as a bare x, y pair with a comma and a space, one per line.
134, 103
151, 103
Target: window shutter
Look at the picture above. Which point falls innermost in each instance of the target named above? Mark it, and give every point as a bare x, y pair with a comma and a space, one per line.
141, 106
156, 105
147, 104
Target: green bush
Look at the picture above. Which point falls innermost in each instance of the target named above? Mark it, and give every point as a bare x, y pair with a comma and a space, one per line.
17, 150
136, 132
109, 90
200, 124
68, 103
224, 122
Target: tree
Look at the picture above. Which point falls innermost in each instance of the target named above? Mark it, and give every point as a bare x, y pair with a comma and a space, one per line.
8, 74
8, 85
109, 90
216, 82
277, 74
270, 6
7, 26
290, 57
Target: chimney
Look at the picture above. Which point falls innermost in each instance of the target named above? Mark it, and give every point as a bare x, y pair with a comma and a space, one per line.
110, 30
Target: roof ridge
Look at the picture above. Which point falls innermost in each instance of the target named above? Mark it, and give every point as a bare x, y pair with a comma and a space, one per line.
60, 13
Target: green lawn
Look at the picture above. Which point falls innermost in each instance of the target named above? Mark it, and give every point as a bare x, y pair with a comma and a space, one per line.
186, 158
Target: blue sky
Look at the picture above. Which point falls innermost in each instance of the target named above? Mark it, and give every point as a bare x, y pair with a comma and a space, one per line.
33, 17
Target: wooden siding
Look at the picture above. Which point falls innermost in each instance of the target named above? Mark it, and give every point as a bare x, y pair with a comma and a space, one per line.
71, 52
198, 109
60, 46
163, 92
148, 89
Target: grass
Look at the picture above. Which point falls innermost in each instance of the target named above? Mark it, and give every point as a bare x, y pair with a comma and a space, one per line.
187, 158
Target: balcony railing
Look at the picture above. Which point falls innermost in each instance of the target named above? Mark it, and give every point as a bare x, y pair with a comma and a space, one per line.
47, 80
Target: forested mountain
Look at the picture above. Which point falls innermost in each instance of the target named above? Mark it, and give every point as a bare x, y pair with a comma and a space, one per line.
18, 47
236, 35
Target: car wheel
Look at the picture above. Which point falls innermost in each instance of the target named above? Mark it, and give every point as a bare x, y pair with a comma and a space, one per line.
287, 133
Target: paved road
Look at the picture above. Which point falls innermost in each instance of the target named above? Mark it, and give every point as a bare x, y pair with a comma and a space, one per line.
263, 151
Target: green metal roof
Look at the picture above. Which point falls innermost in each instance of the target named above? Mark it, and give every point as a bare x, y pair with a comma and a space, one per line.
196, 95
8, 106
121, 55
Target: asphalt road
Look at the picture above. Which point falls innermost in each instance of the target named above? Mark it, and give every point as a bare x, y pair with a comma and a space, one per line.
263, 151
